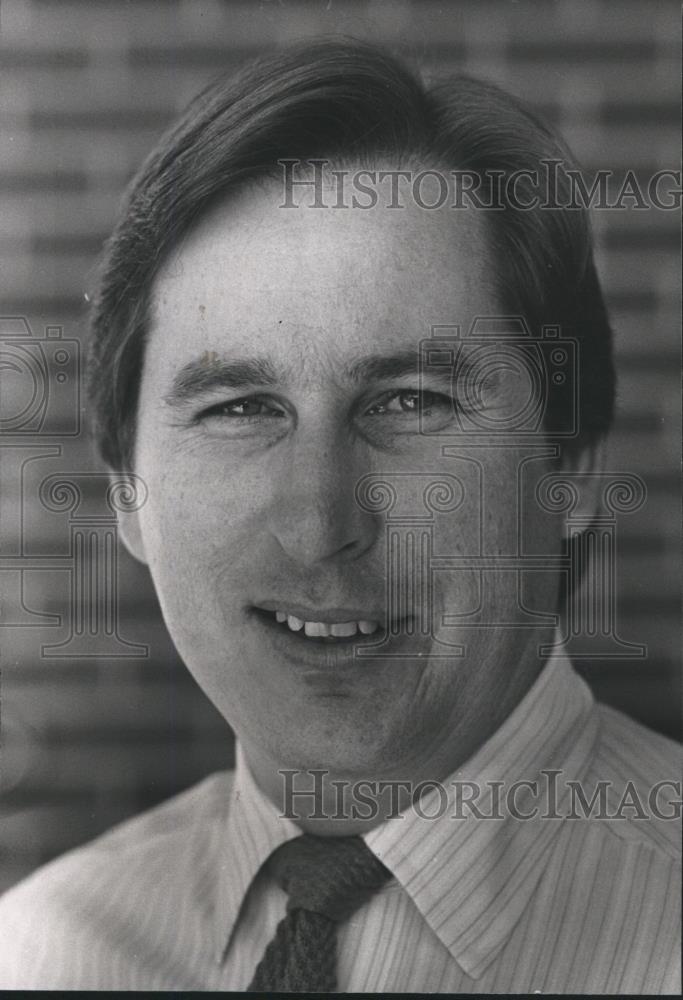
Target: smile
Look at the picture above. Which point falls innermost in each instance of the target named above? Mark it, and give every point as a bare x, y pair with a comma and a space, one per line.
336, 626
330, 638
318, 629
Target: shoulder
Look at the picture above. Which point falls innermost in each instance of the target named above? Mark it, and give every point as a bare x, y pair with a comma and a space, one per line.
640, 774
165, 831
623, 740
90, 898
610, 895
171, 822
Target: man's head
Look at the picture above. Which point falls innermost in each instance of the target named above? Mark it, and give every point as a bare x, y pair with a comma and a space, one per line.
255, 364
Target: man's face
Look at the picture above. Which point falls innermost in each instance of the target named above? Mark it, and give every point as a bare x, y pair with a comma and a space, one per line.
277, 376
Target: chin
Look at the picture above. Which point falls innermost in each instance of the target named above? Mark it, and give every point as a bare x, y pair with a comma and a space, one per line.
357, 752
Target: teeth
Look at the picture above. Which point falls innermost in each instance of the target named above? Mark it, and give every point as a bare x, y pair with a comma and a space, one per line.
367, 628
319, 630
343, 629
316, 629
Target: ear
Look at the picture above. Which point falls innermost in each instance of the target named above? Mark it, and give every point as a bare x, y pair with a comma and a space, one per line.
588, 463
130, 530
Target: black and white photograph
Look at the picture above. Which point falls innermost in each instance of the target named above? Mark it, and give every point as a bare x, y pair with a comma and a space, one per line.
340, 496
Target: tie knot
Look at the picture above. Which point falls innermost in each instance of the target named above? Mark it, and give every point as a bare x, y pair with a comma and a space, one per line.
332, 876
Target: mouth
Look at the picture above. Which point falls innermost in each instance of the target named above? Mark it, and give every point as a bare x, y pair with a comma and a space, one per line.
342, 642
336, 627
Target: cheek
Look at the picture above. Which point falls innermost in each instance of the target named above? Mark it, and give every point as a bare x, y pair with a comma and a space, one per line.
498, 517
199, 526
200, 489
513, 521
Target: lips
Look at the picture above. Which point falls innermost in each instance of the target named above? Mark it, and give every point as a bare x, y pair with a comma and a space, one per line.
322, 641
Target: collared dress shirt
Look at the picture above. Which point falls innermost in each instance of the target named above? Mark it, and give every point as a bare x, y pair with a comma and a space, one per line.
571, 899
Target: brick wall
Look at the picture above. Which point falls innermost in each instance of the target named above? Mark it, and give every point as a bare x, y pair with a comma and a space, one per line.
86, 88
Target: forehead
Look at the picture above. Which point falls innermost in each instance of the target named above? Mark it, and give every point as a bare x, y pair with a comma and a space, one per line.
317, 282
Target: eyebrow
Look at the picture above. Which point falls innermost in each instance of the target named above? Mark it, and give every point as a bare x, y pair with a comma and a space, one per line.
208, 373
382, 367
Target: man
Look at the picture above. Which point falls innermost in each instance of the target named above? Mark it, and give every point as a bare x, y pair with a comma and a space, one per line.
330, 393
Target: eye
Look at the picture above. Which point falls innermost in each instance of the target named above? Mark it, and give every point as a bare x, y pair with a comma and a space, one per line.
411, 402
246, 408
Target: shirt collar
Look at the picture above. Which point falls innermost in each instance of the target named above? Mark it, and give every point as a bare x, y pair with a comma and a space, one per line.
253, 830
471, 879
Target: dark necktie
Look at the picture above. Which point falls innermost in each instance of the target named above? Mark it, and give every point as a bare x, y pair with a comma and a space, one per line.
327, 879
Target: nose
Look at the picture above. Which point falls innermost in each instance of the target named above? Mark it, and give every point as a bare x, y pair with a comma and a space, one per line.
314, 515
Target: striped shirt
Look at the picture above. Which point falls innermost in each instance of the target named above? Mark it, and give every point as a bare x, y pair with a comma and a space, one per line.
564, 901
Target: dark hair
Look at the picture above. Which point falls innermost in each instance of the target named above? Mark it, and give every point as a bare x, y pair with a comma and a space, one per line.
347, 102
